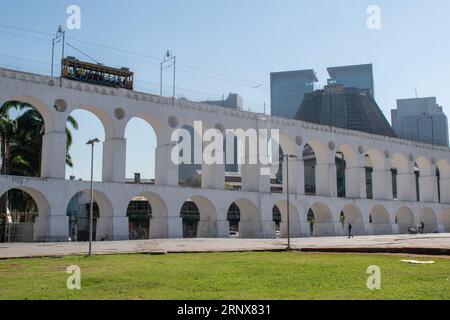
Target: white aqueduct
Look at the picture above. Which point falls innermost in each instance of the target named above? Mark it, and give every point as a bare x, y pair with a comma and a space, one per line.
55, 99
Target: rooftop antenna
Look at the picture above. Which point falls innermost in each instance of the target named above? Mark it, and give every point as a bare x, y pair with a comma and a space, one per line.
416, 93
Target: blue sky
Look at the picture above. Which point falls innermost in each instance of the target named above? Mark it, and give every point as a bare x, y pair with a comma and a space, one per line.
245, 39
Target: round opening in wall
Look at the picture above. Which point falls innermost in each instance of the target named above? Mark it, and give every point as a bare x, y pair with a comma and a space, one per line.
119, 113
60, 105
173, 122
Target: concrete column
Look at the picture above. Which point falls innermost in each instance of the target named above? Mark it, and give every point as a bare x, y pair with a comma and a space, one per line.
252, 180
174, 220
112, 228
326, 184
394, 228
305, 229
296, 177
223, 229
428, 189
355, 182
114, 160
445, 190
213, 176
382, 185
51, 228
406, 186
339, 231
159, 228
54, 146
166, 171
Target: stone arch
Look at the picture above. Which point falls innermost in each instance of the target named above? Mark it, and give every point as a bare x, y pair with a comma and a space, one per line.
320, 150
309, 168
445, 220
159, 228
207, 225
381, 221
87, 117
424, 166
38, 228
401, 163
103, 227
156, 124
377, 159
103, 116
141, 146
426, 180
294, 219
350, 155
444, 168
405, 220
402, 182
378, 177
250, 219
323, 220
139, 212
346, 157
429, 218
353, 214
188, 174
40, 106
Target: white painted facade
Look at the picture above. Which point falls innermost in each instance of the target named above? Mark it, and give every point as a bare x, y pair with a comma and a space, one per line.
56, 99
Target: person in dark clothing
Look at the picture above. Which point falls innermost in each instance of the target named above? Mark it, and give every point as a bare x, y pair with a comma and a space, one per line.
350, 227
421, 227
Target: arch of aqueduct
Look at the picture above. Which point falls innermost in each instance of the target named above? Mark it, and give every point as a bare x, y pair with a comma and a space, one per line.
116, 107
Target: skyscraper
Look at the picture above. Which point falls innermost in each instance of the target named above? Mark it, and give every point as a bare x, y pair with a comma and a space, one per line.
349, 108
421, 119
287, 90
357, 76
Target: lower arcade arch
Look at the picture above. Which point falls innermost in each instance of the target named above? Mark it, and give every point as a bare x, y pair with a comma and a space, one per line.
19, 211
320, 220
404, 220
380, 221
352, 214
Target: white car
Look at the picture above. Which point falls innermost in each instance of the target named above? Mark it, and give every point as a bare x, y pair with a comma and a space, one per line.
234, 234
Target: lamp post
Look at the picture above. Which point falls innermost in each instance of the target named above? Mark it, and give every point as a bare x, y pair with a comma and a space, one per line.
91, 208
288, 220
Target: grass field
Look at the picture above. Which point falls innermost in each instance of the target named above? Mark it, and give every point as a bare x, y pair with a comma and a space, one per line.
268, 275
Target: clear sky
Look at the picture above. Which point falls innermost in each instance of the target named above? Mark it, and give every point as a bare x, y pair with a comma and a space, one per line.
246, 40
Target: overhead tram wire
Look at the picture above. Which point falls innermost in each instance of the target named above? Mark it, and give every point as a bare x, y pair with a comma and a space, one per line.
85, 54
241, 81
249, 83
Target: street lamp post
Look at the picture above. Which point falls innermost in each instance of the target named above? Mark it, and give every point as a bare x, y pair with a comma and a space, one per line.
288, 220
91, 208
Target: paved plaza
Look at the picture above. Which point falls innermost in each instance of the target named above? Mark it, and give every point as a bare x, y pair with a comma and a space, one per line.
419, 244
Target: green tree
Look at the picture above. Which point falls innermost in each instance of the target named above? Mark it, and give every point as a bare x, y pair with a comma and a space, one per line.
21, 150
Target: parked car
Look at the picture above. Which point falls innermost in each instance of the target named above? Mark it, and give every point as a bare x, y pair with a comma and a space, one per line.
234, 234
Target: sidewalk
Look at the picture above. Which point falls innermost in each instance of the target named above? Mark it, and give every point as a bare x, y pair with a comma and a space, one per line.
435, 244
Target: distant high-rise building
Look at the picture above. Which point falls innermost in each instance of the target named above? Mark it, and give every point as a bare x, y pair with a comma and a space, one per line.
349, 108
357, 76
421, 119
287, 90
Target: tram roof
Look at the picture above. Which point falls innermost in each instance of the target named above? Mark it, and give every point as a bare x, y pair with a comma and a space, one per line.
97, 67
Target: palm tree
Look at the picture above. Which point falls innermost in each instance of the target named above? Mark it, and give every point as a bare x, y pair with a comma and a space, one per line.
21, 150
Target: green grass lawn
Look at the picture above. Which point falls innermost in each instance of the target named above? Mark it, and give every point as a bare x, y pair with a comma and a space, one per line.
267, 275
